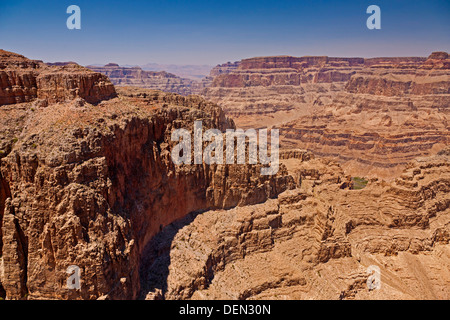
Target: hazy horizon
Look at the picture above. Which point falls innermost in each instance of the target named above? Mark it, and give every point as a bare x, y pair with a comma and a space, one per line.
204, 33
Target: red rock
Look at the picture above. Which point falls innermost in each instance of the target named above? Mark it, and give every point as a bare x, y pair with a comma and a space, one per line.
373, 114
23, 80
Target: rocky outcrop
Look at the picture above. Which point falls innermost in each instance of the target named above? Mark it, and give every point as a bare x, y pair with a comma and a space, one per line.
314, 242
267, 91
90, 185
17, 78
220, 69
70, 82
384, 118
24, 80
137, 77
224, 68
390, 77
286, 70
87, 180
394, 62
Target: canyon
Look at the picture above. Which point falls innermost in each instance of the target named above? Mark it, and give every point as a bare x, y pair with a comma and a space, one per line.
23, 80
86, 179
189, 71
314, 242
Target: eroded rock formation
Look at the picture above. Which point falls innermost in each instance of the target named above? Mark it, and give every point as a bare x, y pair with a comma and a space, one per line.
314, 242
374, 115
87, 179
270, 90
23, 80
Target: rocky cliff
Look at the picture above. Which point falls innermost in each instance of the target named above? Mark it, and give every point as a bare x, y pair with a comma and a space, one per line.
314, 242
90, 185
220, 69
87, 180
386, 115
23, 80
268, 91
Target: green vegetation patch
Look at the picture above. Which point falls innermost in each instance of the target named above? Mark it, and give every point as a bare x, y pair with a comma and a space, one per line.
359, 183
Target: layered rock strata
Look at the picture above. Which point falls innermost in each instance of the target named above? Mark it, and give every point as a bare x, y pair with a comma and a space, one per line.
386, 116
87, 180
270, 90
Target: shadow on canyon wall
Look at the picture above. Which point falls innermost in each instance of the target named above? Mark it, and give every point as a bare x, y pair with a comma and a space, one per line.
155, 260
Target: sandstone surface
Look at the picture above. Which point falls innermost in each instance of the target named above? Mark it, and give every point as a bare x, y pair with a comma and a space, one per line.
90, 185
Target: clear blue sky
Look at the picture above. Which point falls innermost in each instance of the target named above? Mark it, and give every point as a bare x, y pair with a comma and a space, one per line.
211, 32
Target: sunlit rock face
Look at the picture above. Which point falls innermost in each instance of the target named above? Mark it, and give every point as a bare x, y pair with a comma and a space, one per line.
373, 115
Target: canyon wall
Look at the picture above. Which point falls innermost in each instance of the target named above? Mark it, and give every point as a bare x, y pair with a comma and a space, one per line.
17, 78
315, 242
90, 185
374, 115
268, 91
23, 80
